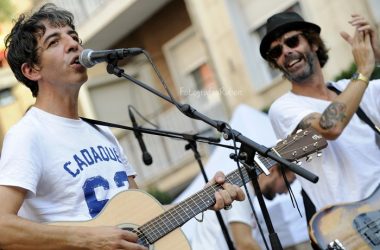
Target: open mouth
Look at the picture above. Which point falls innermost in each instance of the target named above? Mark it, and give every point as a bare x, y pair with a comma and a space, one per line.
294, 62
75, 61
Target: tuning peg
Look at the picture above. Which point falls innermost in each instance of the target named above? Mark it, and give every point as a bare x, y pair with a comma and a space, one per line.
309, 158
281, 141
298, 131
319, 153
299, 163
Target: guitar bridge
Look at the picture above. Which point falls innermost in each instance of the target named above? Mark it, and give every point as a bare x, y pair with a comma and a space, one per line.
367, 225
335, 245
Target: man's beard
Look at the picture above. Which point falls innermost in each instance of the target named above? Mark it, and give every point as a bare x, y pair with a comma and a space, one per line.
309, 69
268, 193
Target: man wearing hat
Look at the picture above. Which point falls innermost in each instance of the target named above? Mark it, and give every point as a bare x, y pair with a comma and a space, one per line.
349, 169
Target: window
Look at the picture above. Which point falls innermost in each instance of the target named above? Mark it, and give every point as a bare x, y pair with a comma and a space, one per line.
6, 97
192, 73
202, 86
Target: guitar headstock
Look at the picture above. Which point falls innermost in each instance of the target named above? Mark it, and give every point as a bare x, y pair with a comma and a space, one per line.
301, 144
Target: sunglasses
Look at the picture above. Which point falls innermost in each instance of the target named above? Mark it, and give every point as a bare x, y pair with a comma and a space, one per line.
291, 42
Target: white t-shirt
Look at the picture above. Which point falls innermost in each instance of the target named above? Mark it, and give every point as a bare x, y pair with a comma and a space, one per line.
69, 167
349, 169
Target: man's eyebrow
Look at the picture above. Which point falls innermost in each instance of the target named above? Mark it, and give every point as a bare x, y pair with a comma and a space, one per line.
70, 32
50, 36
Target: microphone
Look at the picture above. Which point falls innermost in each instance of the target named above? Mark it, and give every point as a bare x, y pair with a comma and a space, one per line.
89, 58
147, 158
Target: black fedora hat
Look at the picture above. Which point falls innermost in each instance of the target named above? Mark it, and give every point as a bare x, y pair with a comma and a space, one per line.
285, 21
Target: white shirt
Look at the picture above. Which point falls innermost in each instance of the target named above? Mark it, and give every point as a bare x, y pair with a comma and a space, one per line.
350, 166
70, 168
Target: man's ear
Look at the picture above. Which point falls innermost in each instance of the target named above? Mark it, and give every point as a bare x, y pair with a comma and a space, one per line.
315, 47
30, 72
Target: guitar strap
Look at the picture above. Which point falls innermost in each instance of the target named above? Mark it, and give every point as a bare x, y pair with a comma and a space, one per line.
360, 113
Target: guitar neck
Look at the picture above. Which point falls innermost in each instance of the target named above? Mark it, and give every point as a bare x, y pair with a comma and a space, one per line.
189, 208
292, 148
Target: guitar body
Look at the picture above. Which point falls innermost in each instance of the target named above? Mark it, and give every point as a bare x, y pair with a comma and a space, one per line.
355, 225
133, 208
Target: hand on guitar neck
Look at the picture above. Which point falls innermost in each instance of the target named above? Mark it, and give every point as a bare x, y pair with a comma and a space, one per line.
225, 196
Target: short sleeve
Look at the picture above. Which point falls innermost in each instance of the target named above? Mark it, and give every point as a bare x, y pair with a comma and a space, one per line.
21, 159
286, 113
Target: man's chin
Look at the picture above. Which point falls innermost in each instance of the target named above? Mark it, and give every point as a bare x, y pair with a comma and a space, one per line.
269, 196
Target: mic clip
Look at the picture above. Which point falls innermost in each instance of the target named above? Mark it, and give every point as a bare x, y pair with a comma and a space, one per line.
112, 68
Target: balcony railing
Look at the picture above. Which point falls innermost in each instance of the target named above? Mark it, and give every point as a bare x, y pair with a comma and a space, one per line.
81, 9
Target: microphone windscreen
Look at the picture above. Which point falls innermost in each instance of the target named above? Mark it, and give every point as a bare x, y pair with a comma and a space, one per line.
84, 58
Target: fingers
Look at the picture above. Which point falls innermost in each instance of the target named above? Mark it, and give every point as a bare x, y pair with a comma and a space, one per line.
131, 240
357, 20
363, 52
240, 194
132, 246
112, 237
360, 22
359, 36
363, 25
228, 194
347, 37
219, 177
130, 236
219, 201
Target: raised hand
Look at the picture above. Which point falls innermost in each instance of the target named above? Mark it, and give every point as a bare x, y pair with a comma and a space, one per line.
363, 25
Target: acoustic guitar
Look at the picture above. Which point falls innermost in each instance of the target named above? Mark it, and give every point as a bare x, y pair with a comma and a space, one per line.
148, 218
350, 226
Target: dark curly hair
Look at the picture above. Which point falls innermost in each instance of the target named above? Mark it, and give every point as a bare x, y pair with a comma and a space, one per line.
21, 43
313, 38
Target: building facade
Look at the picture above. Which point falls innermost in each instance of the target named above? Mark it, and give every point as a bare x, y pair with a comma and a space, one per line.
207, 52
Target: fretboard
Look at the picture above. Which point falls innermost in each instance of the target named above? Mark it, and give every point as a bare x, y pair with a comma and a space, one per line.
195, 204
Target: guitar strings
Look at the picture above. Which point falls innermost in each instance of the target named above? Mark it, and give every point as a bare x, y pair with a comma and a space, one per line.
150, 228
142, 237
355, 238
195, 201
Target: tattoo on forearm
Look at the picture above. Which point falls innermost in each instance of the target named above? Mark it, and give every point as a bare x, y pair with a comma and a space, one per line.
334, 113
306, 122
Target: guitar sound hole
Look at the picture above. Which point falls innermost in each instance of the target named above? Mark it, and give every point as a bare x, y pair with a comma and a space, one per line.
142, 240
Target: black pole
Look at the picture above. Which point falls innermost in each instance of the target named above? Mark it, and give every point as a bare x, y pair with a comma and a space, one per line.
273, 237
193, 146
249, 154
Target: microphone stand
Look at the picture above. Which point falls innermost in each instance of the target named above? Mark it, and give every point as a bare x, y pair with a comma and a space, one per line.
248, 155
248, 147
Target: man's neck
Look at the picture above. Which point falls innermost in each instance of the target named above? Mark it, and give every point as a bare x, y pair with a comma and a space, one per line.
313, 87
59, 103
